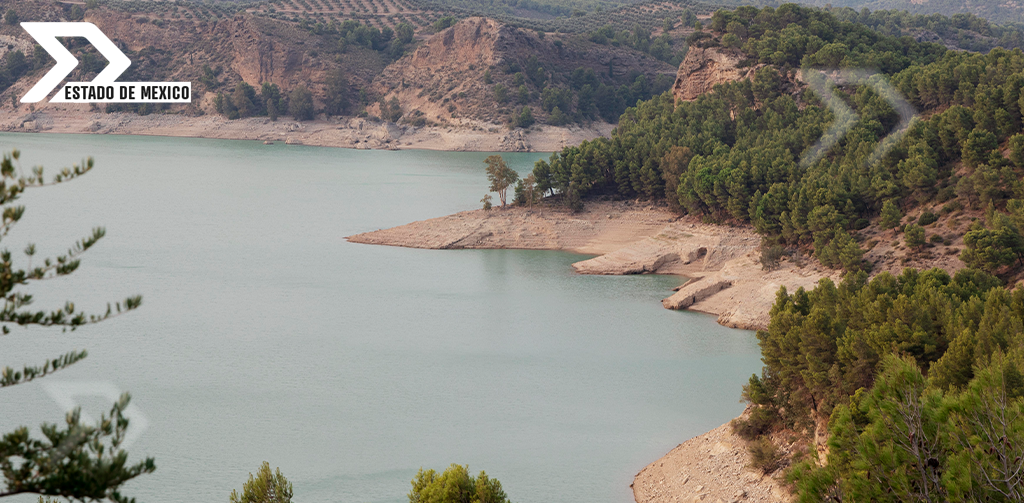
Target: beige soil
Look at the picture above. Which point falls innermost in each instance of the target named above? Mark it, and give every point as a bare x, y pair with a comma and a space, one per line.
630, 238
633, 237
711, 468
348, 133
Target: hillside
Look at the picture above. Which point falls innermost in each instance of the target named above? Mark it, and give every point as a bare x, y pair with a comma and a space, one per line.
458, 73
924, 218
479, 72
997, 12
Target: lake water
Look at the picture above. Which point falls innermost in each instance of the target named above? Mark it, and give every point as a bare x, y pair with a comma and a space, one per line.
264, 335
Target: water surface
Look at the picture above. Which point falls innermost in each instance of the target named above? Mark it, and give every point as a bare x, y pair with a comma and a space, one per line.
264, 335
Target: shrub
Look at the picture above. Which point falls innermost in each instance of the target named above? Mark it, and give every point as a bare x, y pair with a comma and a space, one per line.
914, 236
764, 455
758, 423
771, 257
927, 218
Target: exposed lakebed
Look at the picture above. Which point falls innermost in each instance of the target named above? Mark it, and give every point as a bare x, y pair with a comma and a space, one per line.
264, 335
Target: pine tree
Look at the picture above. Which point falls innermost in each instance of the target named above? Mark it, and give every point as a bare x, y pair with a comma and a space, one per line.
891, 215
264, 487
914, 236
76, 461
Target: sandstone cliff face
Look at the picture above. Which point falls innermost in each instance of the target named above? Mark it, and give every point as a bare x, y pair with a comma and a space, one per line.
444, 78
705, 67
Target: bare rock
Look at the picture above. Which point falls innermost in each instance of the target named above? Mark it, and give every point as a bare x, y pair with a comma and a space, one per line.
705, 67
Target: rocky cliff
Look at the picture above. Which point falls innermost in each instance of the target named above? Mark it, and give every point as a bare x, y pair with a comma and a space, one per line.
703, 68
444, 78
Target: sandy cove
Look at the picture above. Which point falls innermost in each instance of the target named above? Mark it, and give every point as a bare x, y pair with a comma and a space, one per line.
333, 132
630, 237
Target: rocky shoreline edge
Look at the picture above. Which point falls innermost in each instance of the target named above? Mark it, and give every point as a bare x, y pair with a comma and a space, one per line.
635, 237
629, 237
356, 133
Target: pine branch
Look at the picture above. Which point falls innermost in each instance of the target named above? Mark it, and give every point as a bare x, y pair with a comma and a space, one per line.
10, 377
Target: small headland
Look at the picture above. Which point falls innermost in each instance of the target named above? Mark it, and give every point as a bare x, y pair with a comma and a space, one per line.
629, 237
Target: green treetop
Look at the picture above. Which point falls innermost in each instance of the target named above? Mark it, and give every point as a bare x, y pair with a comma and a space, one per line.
455, 485
501, 176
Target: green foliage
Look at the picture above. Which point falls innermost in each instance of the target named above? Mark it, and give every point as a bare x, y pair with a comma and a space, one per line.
486, 200
300, 104
771, 256
272, 100
927, 218
404, 32
557, 118
500, 94
990, 249
244, 100
891, 215
524, 118
760, 422
907, 440
443, 23
264, 487
765, 456
391, 110
1016, 144
11, 17
77, 461
913, 236
822, 346
500, 176
747, 140
455, 485
979, 147
527, 193
337, 98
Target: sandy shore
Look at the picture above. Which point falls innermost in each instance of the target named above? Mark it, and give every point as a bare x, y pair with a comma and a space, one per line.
713, 467
630, 237
333, 132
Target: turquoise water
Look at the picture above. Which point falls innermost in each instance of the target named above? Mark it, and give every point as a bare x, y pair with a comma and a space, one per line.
264, 335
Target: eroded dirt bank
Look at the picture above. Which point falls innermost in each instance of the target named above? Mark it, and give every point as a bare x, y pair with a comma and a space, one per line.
346, 132
630, 238
708, 468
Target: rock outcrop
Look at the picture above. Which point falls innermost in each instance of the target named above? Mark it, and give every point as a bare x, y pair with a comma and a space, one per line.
443, 79
703, 68
515, 141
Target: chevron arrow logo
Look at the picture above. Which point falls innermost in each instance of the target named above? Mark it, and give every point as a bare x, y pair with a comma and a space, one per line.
65, 392
103, 88
824, 82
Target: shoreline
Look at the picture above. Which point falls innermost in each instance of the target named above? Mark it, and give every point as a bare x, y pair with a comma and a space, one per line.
627, 237
711, 467
638, 237
354, 133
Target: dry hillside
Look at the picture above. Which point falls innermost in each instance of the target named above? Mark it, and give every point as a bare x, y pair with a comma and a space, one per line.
445, 77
